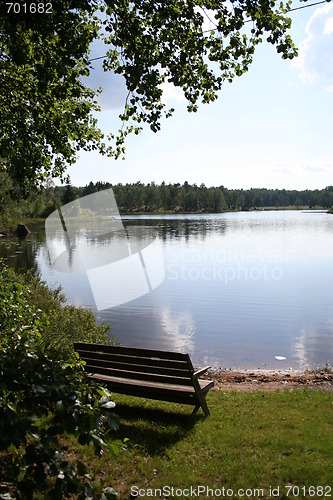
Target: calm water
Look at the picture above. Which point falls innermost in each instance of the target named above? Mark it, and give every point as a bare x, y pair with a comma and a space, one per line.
239, 288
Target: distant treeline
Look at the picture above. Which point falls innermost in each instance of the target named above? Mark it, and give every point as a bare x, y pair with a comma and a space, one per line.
152, 198
139, 197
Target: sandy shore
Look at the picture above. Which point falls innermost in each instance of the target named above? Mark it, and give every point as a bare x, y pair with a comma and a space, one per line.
270, 380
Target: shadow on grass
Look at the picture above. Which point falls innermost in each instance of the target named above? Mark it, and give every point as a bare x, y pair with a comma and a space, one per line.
156, 427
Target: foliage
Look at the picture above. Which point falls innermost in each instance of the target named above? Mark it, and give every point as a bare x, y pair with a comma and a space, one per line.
69, 324
47, 113
15, 209
42, 399
159, 42
59, 323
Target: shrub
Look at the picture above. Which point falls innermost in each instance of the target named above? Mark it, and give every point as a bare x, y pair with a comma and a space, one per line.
60, 324
41, 400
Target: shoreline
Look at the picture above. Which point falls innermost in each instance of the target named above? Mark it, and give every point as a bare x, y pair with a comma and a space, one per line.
303, 209
270, 380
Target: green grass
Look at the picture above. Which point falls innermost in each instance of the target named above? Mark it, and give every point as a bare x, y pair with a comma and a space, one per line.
251, 440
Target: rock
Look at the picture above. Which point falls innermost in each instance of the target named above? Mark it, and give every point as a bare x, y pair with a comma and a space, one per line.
22, 230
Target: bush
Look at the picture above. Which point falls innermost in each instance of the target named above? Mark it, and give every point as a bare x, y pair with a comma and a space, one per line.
60, 324
41, 400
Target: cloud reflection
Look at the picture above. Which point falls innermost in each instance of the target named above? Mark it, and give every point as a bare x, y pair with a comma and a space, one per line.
180, 328
314, 346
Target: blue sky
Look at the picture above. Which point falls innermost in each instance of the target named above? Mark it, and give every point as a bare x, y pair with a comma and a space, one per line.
270, 128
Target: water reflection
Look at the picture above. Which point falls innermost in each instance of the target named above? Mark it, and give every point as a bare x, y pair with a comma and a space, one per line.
313, 348
240, 289
180, 330
20, 253
90, 238
183, 227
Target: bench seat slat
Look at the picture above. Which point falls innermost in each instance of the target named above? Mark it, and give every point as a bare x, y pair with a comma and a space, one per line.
149, 390
133, 351
130, 360
136, 368
140, 376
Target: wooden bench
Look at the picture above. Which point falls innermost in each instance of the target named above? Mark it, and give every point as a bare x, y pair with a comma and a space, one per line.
146, 373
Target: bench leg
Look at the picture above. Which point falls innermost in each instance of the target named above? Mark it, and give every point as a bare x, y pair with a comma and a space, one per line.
205, 407
202, 405
195, 411
201, 397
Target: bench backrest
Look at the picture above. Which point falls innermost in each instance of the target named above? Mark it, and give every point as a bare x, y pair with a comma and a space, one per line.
139, 364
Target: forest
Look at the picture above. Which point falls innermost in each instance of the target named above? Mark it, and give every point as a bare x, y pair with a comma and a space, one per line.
160, 198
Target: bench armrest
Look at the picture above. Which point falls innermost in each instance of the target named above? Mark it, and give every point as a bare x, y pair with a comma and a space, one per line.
201, 371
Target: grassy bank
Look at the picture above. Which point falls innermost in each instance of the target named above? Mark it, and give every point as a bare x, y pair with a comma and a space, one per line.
251, 441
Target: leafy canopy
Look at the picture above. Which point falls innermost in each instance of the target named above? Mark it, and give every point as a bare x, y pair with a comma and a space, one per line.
48, 114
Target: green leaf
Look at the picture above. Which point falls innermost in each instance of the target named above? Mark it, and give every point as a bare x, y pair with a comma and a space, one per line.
113, 421
81, 468
38, 389
109, 493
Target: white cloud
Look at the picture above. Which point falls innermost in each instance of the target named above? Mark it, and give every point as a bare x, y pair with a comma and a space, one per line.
170, 92
315, 61
328, 28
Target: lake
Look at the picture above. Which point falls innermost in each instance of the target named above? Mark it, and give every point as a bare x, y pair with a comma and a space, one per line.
240, 290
